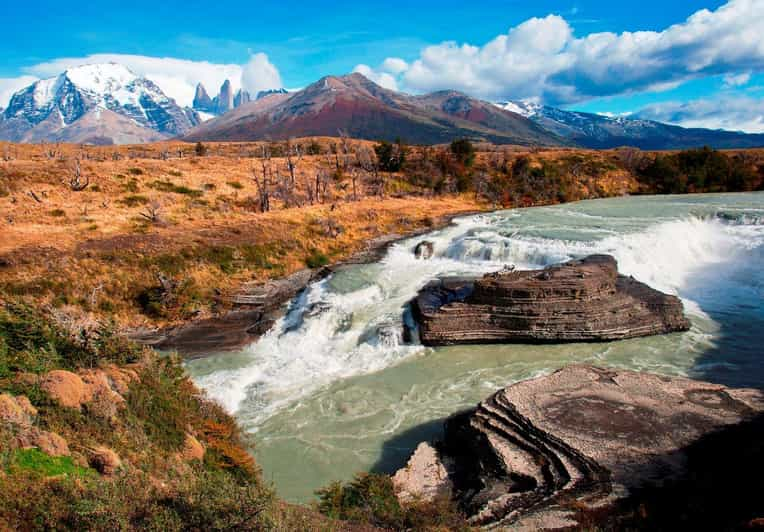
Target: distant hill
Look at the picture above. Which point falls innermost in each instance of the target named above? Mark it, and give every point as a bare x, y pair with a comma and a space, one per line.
94, 104
362, 109
602, 132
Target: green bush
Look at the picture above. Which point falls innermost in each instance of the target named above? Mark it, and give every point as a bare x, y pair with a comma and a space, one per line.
370, 499
167, 186
155, 401
30, 341
134, 200
316, 259
463, 151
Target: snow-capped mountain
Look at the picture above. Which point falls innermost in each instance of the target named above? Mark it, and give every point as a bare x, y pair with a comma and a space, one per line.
601, 132
99, 103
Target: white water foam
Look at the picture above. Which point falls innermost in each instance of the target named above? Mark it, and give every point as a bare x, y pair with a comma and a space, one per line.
330, 335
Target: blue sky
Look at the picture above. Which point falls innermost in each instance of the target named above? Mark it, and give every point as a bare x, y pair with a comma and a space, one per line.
302, 41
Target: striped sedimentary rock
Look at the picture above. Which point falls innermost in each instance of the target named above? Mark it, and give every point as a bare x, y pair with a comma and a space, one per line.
579, 301
542, 452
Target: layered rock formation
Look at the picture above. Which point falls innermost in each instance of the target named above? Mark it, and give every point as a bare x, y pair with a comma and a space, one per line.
579, 301
544, 452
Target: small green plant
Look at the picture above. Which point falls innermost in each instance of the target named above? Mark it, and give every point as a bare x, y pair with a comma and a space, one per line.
135, 171
134, 200
57, 213
167, 186
131, 186
175, 173
36, 461
235, 185
316, 259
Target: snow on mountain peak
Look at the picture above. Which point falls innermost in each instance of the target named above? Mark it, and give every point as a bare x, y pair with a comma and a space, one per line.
86, 91
102, 78
526, 108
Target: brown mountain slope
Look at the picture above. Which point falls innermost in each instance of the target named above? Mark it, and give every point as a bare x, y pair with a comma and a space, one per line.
364, 110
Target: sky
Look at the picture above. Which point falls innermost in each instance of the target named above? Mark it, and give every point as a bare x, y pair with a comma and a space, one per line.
694, 63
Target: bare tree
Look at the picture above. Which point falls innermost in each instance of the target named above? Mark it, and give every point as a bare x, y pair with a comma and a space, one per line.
75, 181
263, 181
152, 212
52, 151
293, 157
367, 160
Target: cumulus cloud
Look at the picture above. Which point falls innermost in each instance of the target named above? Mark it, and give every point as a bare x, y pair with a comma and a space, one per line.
260, 74
737, 113
176, 77
383, 79
543, 58
394, 65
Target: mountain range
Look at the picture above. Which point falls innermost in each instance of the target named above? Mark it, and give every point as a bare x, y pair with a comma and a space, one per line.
94, 104
362, 109
603, 132
109, 104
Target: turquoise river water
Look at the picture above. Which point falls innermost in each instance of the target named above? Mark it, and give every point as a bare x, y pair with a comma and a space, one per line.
333, 389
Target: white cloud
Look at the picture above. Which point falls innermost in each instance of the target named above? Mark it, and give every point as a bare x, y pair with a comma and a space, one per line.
260, 74
736, 113
737, 80
176, 77
394, 65
8, 86
383, 79
542, 58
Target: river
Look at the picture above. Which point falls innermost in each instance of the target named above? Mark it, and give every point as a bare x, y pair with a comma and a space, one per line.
333, 389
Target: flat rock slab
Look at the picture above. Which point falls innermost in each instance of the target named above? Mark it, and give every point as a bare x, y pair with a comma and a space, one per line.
582, 433
578, 301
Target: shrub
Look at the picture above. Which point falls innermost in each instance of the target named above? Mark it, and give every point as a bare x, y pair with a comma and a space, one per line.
235, 185
32, 342
390, 156
58, 213
135, 171
131, 186
316, 259
200, 149
134, 200
370, 498
167, 186
463, 151
154, 400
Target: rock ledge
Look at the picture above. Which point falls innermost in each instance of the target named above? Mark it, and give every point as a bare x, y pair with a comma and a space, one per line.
578, 301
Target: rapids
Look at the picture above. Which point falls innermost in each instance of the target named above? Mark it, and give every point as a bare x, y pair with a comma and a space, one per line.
332, 389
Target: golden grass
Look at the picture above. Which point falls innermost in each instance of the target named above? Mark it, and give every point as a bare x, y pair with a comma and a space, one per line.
92, 253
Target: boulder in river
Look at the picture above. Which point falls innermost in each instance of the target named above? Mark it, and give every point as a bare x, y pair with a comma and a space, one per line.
424, 250
546, 452
579, 301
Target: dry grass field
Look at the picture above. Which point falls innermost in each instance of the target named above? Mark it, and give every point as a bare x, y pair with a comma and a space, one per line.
92, 231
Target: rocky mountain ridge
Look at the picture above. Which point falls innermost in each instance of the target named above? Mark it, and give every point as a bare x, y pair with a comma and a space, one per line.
602, 132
